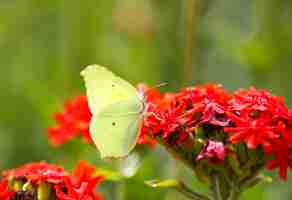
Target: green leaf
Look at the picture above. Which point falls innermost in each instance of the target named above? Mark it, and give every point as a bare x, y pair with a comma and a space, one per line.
110, 174
177, 185
169, 183
256, 180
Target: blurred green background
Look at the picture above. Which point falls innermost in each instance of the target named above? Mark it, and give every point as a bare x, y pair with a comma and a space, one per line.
45, 44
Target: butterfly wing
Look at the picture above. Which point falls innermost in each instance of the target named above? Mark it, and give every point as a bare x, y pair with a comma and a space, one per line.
115, 129
117, 111
105, 88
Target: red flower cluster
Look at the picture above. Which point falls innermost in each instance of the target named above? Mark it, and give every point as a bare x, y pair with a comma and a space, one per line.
72, 122
252, 116
36, 173
261, 119
79, 186
182, 113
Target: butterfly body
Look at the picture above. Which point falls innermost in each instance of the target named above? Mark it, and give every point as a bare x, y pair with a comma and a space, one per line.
117, 108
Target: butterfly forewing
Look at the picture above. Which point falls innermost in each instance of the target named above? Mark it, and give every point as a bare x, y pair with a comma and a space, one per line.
105, 88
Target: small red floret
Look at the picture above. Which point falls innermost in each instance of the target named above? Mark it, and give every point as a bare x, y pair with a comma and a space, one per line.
213, 151
5, 194
72, 122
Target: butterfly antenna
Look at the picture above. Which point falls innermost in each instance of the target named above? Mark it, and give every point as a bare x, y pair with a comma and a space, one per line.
157, 86
161, 85
144, 94
154, 87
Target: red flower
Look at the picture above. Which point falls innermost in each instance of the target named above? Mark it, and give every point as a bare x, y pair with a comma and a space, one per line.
253, 131
213, 151
78, 186
84, 172
151, 96
281, 150
5, 194
254, 115
82, 185
210, 101
38, 172
72, 122
183, 112
163, 121
145, 138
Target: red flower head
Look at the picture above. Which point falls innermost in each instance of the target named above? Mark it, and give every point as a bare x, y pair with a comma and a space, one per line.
78, 186
73, 121
252, 116
187, 110
151, 96
81, 186
210, 101
281, 150
213, 151
37, 172
255, 114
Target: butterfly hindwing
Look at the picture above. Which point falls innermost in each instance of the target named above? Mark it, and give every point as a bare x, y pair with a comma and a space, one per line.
115, 129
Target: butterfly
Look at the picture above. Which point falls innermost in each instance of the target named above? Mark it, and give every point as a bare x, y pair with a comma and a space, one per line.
118, 110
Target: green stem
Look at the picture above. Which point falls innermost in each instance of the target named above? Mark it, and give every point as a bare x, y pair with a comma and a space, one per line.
247, 181
234, 194
191, 194
188, 17
119, 189
215, 187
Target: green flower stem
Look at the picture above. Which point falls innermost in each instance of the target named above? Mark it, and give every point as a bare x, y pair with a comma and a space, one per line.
252, 182
251, 179
183, 189
234, 194
120, 188
215, 187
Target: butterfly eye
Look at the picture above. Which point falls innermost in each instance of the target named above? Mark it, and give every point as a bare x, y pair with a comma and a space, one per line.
114, 123
113, 85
